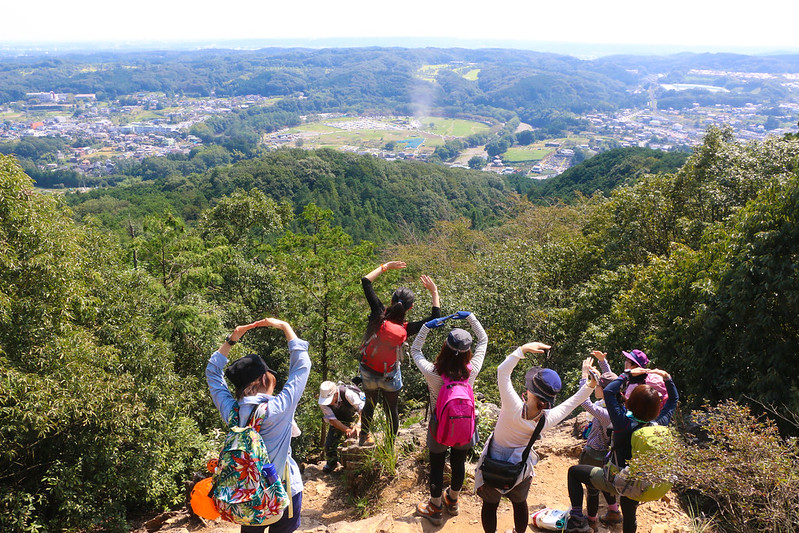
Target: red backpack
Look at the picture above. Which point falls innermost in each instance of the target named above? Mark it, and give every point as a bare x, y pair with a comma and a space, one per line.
455, 413
383, 349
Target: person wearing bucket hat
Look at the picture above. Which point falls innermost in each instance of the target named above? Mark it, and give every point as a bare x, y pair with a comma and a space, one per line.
386, 382
254, 383
341, 408
635, 358
517, 421
598, 441
459, 360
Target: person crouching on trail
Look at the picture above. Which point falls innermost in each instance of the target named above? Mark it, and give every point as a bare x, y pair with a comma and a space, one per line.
341, 408
255, 384
518, 421
457, 365
381, 349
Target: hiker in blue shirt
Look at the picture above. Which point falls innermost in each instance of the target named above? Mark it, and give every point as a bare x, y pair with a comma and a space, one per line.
644, 407
255, 383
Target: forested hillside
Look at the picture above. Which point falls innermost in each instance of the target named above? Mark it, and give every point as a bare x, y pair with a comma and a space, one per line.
370, 198
604, 172
103, 341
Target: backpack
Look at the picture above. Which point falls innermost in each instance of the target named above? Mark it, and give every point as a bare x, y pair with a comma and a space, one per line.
383, 349
644, 439
455, 423
241, 491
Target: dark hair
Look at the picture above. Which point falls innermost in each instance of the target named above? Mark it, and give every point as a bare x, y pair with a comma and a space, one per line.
252, 388
401, 301
454, 365
644, 403
404, 295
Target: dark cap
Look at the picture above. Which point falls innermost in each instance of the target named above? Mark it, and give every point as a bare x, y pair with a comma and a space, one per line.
543, 382
459, 340
638, 357
606, 379
244, 371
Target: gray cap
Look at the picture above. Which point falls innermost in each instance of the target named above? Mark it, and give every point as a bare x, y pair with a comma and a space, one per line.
459, 340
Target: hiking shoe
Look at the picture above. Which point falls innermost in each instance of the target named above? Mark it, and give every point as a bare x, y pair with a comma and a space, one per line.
431, 512
329, 466
578, 524
593, 523
611, 517
449, 504
366, 440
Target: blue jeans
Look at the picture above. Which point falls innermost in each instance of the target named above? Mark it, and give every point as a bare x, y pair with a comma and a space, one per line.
374, 385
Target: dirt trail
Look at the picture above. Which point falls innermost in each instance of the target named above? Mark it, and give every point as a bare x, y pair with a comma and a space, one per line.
329, 508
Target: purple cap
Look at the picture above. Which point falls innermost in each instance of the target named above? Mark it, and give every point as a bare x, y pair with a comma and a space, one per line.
638, 357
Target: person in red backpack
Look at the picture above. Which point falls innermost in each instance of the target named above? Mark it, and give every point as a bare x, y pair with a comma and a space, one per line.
381, 374
458, 361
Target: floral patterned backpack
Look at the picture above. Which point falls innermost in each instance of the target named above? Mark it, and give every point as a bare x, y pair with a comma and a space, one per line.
242, 491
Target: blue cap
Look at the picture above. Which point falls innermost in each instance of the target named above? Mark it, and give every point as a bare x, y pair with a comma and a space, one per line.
543, 382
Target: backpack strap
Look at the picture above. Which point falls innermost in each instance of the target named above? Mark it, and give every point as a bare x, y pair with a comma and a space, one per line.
534, 437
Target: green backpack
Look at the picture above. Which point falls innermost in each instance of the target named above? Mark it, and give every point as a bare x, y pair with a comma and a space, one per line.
241, 491
644, 439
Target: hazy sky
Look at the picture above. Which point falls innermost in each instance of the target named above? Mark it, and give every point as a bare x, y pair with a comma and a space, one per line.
764, 23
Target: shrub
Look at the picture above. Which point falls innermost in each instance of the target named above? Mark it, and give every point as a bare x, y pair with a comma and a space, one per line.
746, 471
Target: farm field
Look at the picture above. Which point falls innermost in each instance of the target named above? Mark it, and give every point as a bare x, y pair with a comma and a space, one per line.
453, 127
374, 132
525, 154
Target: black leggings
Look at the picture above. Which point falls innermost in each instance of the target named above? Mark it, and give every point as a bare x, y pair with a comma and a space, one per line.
488, 516
580, 475
390, 406
457, 462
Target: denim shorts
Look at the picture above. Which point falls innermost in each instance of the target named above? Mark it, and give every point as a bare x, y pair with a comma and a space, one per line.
391, 382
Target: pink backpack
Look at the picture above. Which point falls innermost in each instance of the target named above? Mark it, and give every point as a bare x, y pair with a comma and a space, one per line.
382, 351
455, 413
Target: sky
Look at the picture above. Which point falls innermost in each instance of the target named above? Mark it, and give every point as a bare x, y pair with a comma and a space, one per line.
688, 24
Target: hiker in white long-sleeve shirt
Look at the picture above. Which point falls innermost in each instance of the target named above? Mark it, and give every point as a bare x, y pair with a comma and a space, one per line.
518, 418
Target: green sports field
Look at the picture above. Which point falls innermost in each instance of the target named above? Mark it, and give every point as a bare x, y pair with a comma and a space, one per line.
522, 154
453, 127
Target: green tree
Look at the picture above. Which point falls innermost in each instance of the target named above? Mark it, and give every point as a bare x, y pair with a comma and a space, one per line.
85, 387
477, 162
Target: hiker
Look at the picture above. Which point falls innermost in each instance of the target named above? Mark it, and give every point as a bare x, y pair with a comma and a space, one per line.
644, 407
457, 361
385, 378
598, 441
635, 359
341, 408
520, 419
255, 383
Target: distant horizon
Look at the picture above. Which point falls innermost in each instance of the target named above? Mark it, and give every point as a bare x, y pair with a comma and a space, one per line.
576, 49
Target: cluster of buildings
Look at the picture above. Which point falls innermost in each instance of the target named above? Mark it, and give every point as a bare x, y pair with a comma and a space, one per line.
146, 125
143, 125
